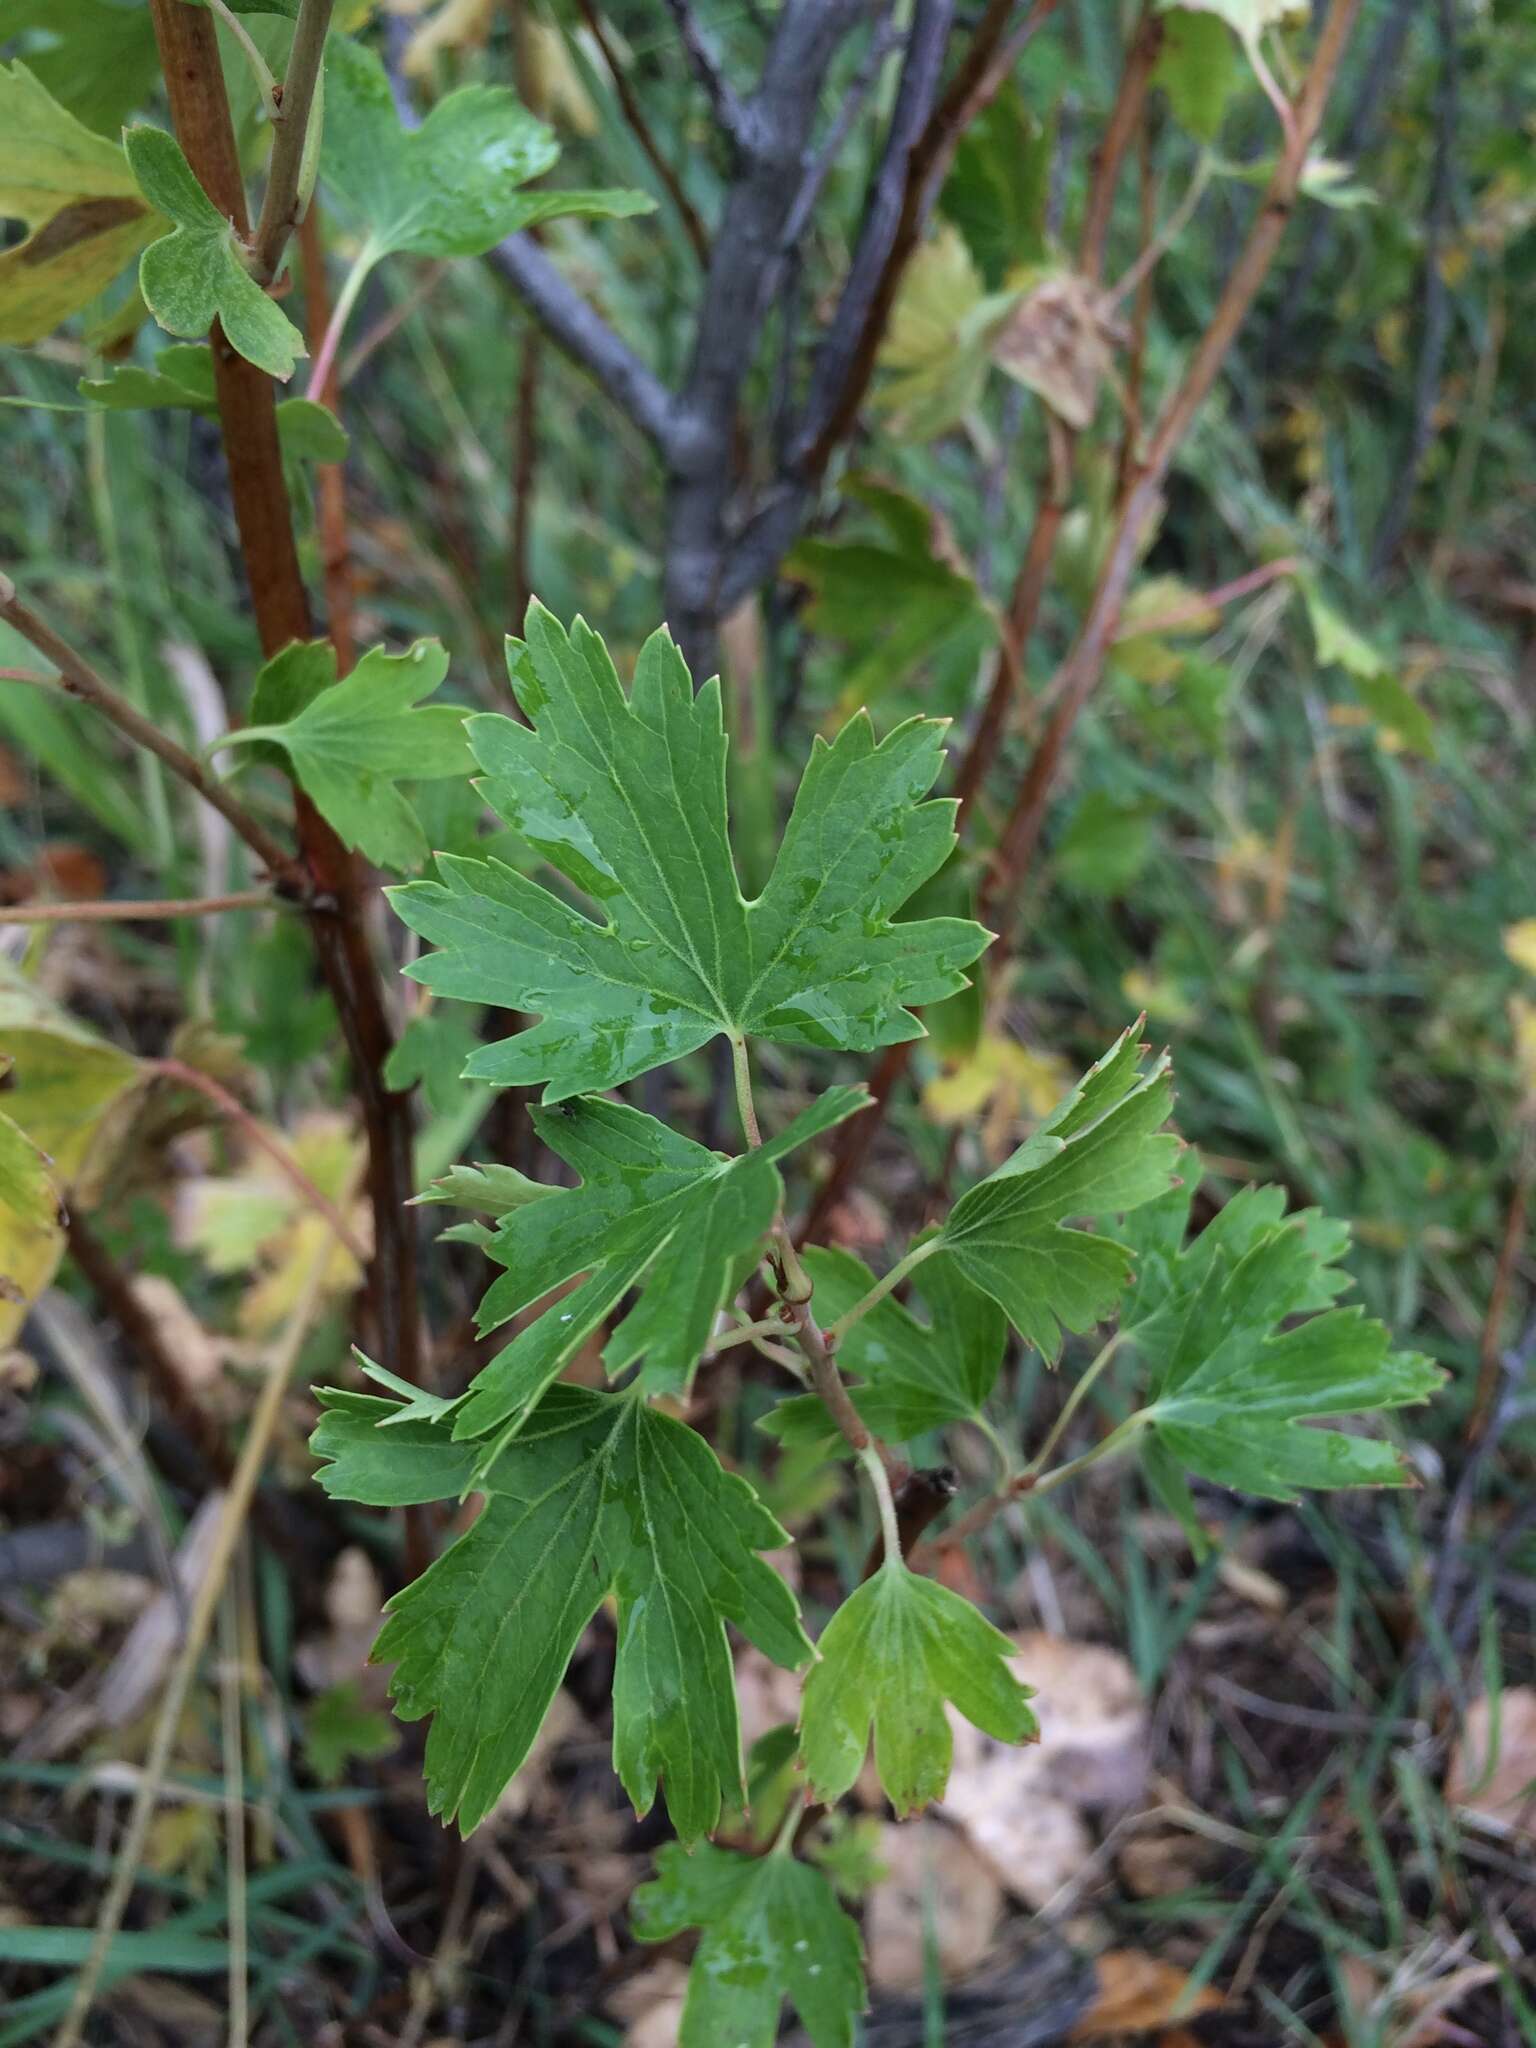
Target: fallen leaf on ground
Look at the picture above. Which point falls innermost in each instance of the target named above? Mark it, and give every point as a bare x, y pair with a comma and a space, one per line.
1137, 1993
1492, 1770
651, 2004
937, 1888
1022, 1809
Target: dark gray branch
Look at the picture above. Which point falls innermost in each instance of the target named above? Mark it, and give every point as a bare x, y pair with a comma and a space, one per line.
585, 335
778, 121
724, 103
916, 98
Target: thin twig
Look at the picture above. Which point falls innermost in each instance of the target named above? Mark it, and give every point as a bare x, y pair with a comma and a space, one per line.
1119, 132
643, 133
795, 1290
721, 94
79, 679
1084, 665
231, 1107
282, 206
232, 1520
125, 910
336, 891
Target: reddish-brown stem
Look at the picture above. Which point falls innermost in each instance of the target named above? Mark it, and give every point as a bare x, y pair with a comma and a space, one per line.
247, 415
1119, 132
1196, 607
1023, 616
1001, 886
127, 910
1084, 665
1141, 310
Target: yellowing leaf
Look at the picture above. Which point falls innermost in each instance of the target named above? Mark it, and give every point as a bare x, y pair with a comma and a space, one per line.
1001, 1080
1520, 943
936, 340
31, 1233
256, 1221
64, 1081
75, 192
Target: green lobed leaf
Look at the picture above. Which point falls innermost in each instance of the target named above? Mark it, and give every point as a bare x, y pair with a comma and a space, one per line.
352, 743
918, 1375
194, 275
451, 187
894, 1652
1197, 68
599, 1495
624, 793
655, 1213
772, 1929
487, 1190
1101, 1150
1231, 1387
338, 1727
74, 190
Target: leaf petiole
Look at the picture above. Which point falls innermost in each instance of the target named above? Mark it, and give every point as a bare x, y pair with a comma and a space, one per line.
882, 1288
341, 312
261, 71
1119, 1439
1073, 1402
879, 1479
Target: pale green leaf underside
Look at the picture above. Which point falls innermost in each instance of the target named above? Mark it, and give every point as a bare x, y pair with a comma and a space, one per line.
194, 275
625, 795
894, 1652
916, 1376
655, 1213
599, 1495
451, 187
1102, 1150
351, 744
772, 1929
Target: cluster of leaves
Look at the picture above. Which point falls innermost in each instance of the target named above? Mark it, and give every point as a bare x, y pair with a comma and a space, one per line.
647, 952
452, 187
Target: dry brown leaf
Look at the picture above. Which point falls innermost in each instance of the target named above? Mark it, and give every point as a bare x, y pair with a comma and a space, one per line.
1022, 1808
354, 1612
1492, 1771
196, 1354
1138, 1992
934, 1880
1249, 1583
1056, 342
652, 2004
